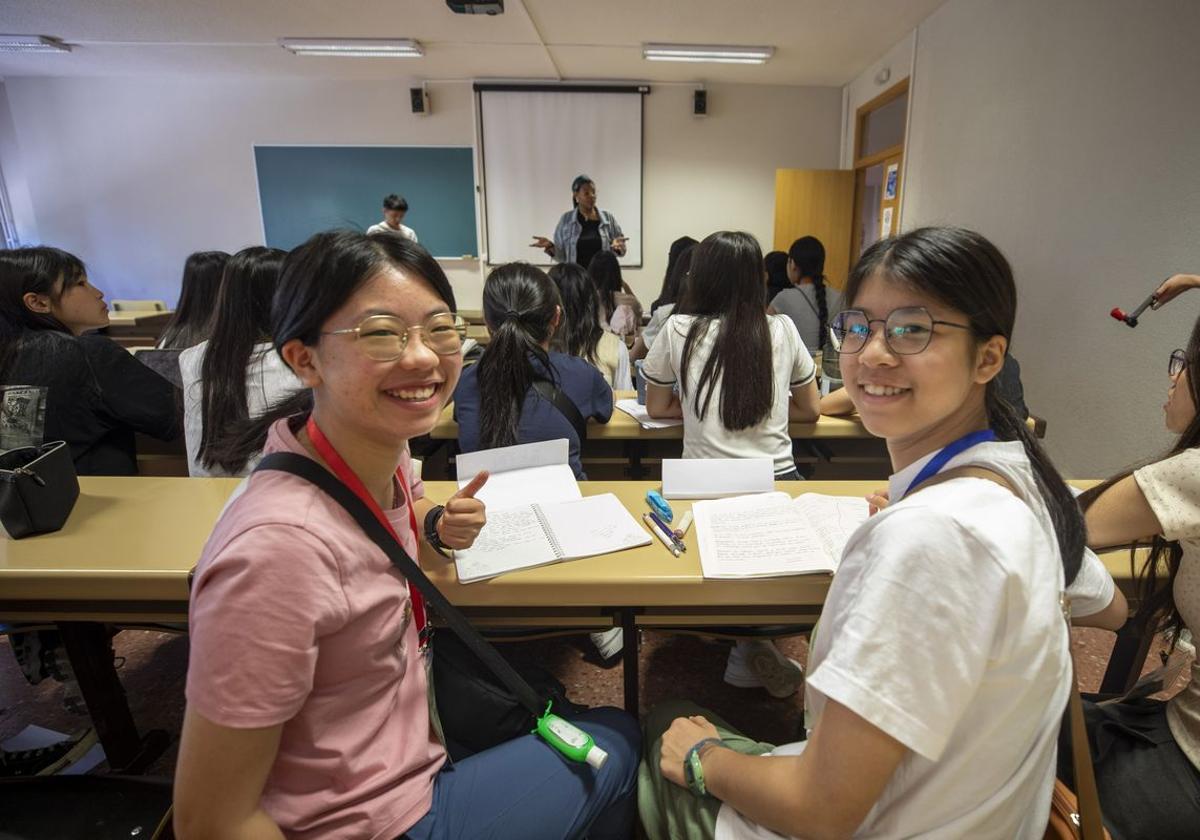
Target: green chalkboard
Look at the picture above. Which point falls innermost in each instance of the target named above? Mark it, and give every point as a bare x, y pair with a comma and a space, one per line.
306, 189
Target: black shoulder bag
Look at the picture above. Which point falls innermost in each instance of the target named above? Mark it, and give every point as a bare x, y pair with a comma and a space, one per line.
481, 699
565, 406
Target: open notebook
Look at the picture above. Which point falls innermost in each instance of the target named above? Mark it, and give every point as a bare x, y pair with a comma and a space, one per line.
534, 535
772, 534
536, 514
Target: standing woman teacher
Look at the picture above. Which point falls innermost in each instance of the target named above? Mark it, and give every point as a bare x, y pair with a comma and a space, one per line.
583, 231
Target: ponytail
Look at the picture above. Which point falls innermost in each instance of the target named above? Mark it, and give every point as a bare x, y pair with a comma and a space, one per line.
1065, 514
822, 311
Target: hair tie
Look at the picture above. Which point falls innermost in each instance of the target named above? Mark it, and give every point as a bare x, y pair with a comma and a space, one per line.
511, 313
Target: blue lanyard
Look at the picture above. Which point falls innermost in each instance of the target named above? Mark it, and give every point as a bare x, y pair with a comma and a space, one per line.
947, 452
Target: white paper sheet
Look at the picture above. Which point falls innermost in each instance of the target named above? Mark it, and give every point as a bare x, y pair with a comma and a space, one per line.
638, 413
772, 535
713, 478
521, 475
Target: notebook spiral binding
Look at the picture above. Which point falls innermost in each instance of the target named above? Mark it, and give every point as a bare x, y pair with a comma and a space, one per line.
550, 537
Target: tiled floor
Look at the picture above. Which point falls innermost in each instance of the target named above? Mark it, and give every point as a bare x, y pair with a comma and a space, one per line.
155, 665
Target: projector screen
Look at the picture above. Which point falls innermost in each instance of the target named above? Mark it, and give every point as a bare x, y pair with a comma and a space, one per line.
535, 142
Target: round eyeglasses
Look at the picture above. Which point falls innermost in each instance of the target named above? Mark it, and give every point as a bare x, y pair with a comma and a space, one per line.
1177, 363
384, 337
907, 330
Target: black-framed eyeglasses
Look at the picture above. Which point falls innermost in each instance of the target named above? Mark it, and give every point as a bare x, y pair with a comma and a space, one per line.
384, 337
907, 330
1177, 363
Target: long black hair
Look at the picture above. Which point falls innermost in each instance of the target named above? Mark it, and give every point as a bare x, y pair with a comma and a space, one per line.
198, 291
241, 320
724, 292
670, 284
579, 331
775, 263
808, 255
1157, 609
519, 302
605, 271
966, 272
317, 279
43, 271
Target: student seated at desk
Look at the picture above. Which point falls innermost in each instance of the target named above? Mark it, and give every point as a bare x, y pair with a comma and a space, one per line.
97, 395
496, 402
192, 321
672, 292
941, 667
620, 310
1147, 752
307, 697
579, 332
809, 302
236, 374
743, 375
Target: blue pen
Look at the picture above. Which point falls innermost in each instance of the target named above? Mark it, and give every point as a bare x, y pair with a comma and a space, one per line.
678, 542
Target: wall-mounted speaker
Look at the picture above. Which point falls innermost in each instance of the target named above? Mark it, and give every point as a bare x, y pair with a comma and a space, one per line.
700, 102
419, 100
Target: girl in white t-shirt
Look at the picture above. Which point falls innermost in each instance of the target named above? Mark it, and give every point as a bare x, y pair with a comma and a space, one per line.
743, 375
1147, 752
939, 674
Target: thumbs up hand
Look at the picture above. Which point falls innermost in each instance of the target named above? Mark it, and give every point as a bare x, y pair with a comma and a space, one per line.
464, 515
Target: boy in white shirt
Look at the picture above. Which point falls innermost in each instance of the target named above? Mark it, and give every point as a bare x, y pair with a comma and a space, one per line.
394, 210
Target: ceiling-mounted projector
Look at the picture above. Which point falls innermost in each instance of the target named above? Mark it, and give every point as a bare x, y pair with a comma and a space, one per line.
476, 7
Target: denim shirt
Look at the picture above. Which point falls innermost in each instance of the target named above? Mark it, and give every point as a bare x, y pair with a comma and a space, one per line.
566, 234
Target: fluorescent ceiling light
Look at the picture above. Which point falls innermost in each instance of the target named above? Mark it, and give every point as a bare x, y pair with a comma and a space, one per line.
354, 47
707, 52
32, 43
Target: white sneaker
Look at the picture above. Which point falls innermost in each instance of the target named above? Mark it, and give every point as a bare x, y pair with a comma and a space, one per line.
608, 642
759, 664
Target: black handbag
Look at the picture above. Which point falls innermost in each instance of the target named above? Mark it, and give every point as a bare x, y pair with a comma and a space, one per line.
481, 699
38, 488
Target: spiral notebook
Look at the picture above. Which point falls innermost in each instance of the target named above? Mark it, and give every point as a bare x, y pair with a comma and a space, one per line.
537, 534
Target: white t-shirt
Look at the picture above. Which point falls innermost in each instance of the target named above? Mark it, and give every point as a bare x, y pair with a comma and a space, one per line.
707, 438
1172, 488
655, 324
613, 362
942, 628
384, 227
268, 380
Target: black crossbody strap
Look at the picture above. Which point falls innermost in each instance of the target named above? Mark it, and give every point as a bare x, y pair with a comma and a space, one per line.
314, 473
565, 406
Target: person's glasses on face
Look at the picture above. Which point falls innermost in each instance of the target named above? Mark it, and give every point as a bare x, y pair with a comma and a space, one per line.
1177, 363
907, 330
384, 338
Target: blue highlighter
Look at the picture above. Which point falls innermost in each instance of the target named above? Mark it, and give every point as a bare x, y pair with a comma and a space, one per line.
659, 505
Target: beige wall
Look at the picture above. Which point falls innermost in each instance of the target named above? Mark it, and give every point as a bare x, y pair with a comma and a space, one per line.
134, 174
1067, 133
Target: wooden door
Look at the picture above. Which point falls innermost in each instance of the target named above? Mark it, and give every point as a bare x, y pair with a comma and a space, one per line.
820, 203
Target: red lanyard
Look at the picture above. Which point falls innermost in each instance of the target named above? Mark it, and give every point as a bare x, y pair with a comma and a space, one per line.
342, 470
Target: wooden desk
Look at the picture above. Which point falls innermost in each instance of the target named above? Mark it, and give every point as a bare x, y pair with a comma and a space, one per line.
480, 333
127, 550
136, 327
471, 316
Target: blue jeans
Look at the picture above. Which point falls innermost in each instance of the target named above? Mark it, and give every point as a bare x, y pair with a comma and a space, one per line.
525, 789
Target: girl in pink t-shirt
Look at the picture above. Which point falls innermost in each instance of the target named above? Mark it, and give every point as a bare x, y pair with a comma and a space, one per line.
307, 694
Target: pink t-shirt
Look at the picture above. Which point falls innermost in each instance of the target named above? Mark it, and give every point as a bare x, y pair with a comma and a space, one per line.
297, 618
